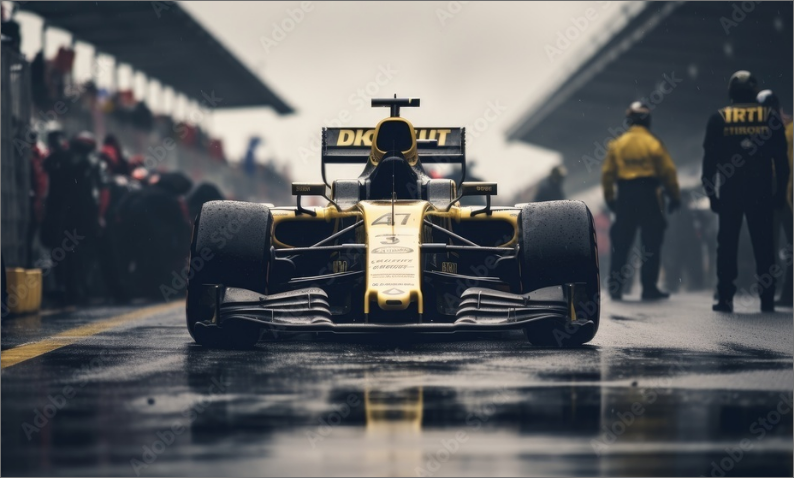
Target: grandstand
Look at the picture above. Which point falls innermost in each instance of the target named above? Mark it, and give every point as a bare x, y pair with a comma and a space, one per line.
677, 55
157, 39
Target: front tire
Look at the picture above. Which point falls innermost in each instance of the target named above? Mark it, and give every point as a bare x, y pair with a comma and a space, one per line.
558, 246
230, 247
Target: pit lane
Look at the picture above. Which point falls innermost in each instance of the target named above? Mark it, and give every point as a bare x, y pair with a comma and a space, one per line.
664, 389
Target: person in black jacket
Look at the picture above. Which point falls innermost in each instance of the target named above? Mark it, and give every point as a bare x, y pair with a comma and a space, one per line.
745, 173
154, 234
783, 217
551, 187
71, 221
203, 193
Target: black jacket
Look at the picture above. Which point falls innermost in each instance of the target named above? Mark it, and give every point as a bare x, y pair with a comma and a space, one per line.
745, 146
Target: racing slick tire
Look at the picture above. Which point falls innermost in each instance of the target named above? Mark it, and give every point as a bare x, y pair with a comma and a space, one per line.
558, 246
230, 247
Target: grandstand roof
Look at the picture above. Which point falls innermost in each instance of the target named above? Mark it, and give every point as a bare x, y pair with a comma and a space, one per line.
163, 41
698, 45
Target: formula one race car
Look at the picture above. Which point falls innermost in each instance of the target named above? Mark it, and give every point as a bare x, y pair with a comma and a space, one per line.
393, 252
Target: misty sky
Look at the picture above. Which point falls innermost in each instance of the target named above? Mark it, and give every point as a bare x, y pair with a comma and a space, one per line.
479, 64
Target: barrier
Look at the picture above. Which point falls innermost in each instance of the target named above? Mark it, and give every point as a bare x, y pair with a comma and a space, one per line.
15, 214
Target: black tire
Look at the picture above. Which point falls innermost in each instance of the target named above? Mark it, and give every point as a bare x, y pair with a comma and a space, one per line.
558, 246
230, 247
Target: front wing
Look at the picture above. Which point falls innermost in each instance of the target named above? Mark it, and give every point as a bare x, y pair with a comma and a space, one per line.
480, 310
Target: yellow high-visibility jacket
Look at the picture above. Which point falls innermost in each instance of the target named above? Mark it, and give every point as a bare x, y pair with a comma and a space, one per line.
638, 154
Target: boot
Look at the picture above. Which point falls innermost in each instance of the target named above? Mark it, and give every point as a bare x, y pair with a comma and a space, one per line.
654, 294
723, 305
768, 304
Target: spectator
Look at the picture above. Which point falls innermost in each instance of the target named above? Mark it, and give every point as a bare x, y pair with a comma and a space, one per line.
10, 30
551, 187
204, 193
112, 156
71, 223
155, 232
38, 78
142, 117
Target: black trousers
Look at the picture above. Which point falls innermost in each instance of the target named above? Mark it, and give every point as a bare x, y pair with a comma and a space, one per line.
638, 207
734, 207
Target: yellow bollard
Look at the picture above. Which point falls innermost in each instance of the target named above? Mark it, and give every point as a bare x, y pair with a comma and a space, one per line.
24, 290
33, 277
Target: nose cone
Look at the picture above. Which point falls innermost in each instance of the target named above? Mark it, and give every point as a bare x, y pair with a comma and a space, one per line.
394, 299
394, 259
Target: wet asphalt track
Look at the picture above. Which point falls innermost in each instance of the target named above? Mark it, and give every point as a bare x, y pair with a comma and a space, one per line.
664, 389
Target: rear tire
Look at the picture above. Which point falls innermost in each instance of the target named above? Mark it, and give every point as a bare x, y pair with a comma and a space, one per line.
230, 247
558, 246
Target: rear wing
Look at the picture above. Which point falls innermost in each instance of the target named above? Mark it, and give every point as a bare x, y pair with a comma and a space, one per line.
352, 145
433, 145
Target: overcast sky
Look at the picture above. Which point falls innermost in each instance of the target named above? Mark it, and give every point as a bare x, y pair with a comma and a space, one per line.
475, 64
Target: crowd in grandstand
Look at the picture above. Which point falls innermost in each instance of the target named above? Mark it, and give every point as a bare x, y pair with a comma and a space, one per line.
114, 186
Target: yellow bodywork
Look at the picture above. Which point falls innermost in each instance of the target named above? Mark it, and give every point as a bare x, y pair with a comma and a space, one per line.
394, 257
393, 238
410, 154
394, 230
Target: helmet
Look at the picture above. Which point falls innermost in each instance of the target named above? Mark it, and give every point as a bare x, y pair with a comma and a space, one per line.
83, 142
558, 172
768, 98
742, 87
55, 140
112, 140
639, 114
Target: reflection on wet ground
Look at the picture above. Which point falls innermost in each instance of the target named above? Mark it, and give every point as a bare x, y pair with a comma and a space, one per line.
147, 401
39, 325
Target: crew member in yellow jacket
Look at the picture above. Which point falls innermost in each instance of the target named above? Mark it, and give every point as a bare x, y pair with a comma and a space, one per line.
636, 170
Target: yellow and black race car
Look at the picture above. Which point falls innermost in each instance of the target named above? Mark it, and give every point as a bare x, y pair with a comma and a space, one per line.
393, 252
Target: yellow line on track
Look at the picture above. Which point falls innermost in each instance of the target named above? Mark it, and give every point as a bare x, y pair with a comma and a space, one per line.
25, 352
